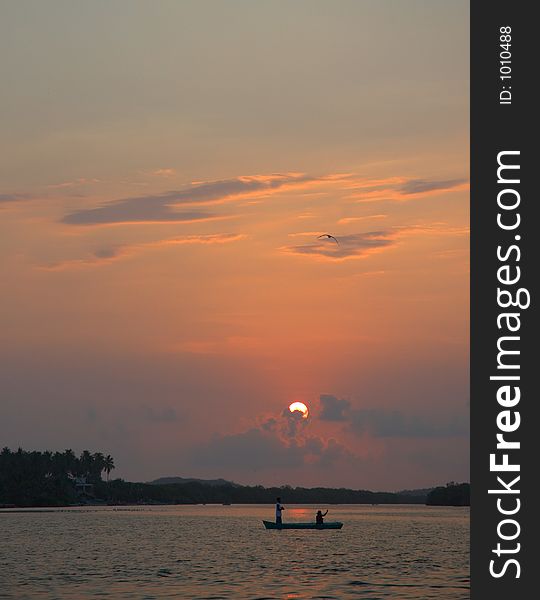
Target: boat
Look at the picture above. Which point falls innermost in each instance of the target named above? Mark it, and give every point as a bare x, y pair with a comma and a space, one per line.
300, 525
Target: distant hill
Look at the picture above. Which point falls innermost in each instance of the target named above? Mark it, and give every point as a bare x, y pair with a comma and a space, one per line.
175, 480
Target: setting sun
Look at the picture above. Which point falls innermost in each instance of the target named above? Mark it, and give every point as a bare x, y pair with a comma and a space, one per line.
299, 407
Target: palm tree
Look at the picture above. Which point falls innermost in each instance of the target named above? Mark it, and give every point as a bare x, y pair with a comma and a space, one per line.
108, 465
98, 465
86, 463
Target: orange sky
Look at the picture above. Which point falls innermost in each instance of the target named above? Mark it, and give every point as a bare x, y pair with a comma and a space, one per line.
165, 295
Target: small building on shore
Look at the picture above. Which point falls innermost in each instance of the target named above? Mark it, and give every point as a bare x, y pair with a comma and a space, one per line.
82, 487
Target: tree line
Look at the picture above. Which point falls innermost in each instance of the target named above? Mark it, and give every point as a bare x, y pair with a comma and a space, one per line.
54, 479
32, 478
453, 494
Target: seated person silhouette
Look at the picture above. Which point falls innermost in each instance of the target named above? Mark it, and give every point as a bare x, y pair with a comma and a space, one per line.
319, 517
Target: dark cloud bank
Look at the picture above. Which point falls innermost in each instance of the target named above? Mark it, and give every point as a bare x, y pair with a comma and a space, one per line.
389, 423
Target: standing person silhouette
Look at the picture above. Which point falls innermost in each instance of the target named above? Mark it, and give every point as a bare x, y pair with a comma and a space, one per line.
279, 508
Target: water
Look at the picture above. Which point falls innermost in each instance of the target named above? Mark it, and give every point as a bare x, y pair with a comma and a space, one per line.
215, 552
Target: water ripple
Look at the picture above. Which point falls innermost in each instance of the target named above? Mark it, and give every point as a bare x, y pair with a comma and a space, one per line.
224, 553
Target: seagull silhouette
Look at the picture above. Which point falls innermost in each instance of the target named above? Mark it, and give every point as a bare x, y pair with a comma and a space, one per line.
328, 236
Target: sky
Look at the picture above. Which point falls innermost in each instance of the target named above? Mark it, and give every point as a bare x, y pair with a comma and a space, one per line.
167, 169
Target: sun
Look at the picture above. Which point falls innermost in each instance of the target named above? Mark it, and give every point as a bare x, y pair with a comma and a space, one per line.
299, 407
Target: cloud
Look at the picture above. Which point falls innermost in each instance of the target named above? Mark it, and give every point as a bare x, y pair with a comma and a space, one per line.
333, 409
433, 229
5, 198
160, 415
138, 210
258, 448
159, 208
346, 220
311, 234
74, 183
357, 245
107, 254
385, 423
401, 189
292, 424
361, 245
251, 449
101, 256
278, 442
422, 186
215, 238
393, 423
164, 172
351, 246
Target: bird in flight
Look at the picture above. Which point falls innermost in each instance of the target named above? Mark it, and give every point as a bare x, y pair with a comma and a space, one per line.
328, 236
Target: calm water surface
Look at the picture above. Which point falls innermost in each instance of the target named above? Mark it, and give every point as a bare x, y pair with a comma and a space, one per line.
213, 552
